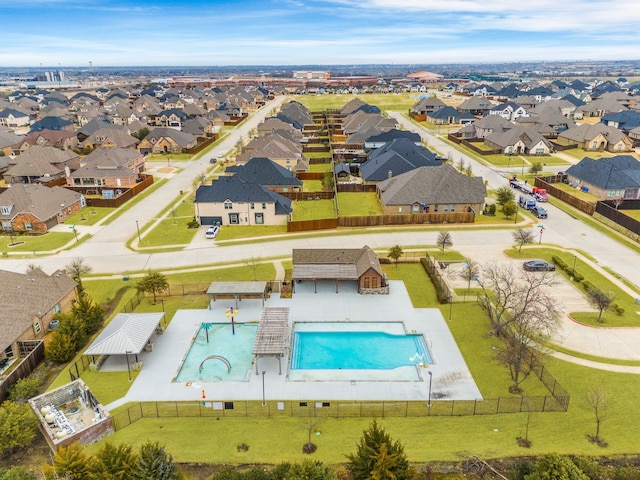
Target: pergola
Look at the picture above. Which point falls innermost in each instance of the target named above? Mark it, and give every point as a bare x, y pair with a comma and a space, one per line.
272, 338
237, 290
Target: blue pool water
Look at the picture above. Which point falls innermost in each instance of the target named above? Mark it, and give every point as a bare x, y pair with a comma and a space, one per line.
236, 349
357, 350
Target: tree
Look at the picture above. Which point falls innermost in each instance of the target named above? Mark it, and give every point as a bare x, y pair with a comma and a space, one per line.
69, 462
309, 470
74, 328
598, 400
535, 168
520, 312
253, 263
33, 267
509, 209
87, 312
154, 283
470, 271
156, 463
444, 240
377, 454
77, 268
395, 253
468, 170
505, 194
328, 181
600, 300
523, 236
556, 467
87, 149
60, 348
113, 463
17, 473
24, 389
140, 134
17, 426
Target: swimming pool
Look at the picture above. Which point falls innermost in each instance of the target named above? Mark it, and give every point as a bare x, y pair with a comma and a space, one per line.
210, 361
357, 346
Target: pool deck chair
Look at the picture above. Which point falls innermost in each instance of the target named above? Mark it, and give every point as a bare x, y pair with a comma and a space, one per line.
272, 338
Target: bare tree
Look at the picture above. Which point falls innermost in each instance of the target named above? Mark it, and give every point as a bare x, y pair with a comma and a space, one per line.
521, 313
597, 399
600, 300
253, 263
470, 271
523, 236
77, 268
444, 240
617, 202
32, 267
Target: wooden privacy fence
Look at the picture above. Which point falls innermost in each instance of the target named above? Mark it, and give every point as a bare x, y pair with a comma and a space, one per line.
567, 197
308, 225
355, 187
310, 175
33, 351
618, 217
126, 195
410, 219
308, 195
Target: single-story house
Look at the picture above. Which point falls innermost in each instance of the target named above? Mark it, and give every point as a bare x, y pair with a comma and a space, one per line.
608, 178
111, 167
395, 157
596, 137
268, 173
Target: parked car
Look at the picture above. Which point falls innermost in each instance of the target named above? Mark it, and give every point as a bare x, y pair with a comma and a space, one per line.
212, 231
538, 266
539, 212
212, 160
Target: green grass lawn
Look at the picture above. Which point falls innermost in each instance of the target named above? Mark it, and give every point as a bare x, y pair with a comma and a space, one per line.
586, 196
313, 209
138, 198
88, 216
630, 318
168, 157
358, 204
317, 154
232, 232
312, 186
169, 231
390, 101
635, 214
320, 167
35, 243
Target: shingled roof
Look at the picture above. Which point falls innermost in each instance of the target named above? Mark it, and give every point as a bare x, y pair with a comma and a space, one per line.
42, 202
25, 296
608, 173
397, 156
341, 263
263, 171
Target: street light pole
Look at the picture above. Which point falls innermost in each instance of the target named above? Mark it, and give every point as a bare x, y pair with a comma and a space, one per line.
264, 403
430, 379
138, 228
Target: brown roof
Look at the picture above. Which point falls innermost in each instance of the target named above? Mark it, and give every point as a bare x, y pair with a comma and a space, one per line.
42, 202
343, 263
25, 296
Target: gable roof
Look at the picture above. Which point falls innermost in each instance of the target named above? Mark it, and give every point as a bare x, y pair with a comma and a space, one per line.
398, 156
42, 202
264, 171
432, 185
51, 123
587, 132
25, 296
608, 173
183, 139
110, 157
392, 134
237, 190
126, 333
343, 263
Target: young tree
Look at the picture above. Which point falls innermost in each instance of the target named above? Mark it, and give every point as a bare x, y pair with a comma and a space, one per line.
18, 426
395, 253
378, 454
468, 170
60, 348
535, 168
74, 328
597, 399
140, 134
328, 181
253, 263
523, 236
444, 240
470, 271
87, 312
509, 209
113, 463
77, 268
600, 300
68, 462
556, 467
505, 194
156, 463
154, 283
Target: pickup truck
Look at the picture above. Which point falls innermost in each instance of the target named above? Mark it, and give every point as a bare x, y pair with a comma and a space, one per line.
527, 201
539, 212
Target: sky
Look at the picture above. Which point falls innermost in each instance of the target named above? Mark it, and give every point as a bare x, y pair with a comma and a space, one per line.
330, 32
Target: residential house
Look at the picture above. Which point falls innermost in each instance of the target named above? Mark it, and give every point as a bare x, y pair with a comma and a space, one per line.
422, 107
485, 126
61, 139
269, 174
379, 140
608, 178
9, 143
13, 118
233, 201
173, 118
36, 208
626, 120
509, 111
519, 140
40, 164
108, 167
450, 116
596, 137
52, 123
91, 127
273, 125
359, 265
394, 158
28, 302
440, 189
110, 138
475, 106
277, 147
167, 140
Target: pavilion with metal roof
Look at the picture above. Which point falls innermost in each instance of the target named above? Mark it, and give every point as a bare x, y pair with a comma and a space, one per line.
237, 290
272, 337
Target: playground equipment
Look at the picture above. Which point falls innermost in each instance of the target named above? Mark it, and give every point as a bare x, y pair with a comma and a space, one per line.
216, 357
232, 312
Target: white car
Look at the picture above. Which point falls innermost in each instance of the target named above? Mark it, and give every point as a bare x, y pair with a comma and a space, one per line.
212, 232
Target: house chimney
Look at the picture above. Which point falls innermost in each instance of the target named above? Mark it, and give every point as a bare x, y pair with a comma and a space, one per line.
67, 171
389, 174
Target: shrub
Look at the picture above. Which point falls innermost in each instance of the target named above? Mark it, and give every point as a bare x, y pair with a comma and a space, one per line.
24, 389
560, 263
619, 311
577, 277
587, 285
60, 348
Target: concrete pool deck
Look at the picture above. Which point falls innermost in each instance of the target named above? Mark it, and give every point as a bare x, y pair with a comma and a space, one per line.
451, 377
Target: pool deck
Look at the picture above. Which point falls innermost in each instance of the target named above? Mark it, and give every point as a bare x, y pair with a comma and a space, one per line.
450, 376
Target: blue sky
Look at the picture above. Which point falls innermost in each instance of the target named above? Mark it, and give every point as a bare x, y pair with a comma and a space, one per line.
292, 32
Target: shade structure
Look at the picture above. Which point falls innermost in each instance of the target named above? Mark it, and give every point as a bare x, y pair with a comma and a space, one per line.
126, 333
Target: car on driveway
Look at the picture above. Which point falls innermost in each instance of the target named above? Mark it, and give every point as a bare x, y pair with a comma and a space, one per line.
539, 212
538, 266
212, 231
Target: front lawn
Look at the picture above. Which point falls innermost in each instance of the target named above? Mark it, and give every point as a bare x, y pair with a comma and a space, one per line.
353, 204
232, 232
35, 243
313, 209
88, 216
